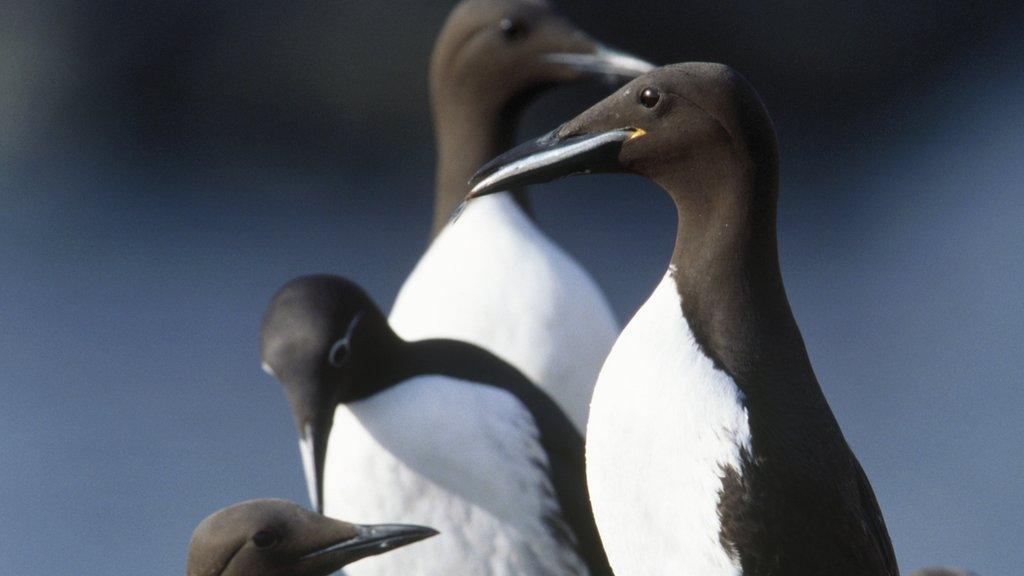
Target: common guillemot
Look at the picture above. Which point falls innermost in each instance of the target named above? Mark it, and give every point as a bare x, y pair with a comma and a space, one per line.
433, 432
277, 537
708, 429
496, 280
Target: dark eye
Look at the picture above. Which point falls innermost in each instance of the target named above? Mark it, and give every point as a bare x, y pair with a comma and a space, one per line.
513, 29
338, 353
264, 538
649, 97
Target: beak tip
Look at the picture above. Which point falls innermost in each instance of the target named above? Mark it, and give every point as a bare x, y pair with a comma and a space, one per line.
371, 540
390, 536
419, 533
478, 176
416, 534
479, 184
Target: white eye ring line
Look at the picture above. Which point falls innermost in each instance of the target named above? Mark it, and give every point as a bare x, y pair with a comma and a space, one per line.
343, 341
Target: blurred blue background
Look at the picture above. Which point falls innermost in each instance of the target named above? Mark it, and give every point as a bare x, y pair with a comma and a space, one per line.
165, 166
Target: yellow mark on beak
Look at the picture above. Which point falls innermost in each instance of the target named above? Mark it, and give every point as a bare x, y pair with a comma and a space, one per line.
637, 133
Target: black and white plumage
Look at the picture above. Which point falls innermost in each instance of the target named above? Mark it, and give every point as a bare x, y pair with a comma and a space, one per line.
434, 432
711, 449
496, 279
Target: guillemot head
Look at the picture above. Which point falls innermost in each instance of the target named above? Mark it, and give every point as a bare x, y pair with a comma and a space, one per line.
274, 537
494, 51
326, 342
684, 126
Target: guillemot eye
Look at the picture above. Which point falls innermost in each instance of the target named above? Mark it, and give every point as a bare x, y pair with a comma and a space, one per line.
513, 29
265, 538
649, 97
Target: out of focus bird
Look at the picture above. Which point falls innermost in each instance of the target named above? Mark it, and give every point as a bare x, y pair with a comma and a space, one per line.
434, 432
280, 538
711, 449
496, 280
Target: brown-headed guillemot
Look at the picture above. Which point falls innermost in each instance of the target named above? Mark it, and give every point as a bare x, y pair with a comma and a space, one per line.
496, 280
711, 448
281, 538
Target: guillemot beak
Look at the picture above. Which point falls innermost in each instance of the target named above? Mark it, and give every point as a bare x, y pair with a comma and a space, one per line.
313, 411
369, 540
602, 61
551, 157
313, 449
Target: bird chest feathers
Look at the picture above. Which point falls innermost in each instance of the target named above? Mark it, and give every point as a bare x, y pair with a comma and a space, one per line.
663, 419
455, 455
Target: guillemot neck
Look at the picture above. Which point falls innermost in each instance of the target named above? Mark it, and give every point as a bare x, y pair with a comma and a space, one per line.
727, 272
464, 361
394, 360
379, 366
449, 358
468, 137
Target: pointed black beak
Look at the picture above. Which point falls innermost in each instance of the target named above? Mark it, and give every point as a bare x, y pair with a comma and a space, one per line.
370, 540
313, 403
313, 438
551, 157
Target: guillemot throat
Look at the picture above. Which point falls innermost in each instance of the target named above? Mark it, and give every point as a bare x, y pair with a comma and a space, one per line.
443, 430
468, 134
761, 450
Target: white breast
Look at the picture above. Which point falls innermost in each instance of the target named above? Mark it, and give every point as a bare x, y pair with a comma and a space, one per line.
460, 457
663, 422
495, 280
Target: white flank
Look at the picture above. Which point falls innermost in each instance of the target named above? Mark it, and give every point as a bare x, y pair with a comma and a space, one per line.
663, 422
495, 280
458, 457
